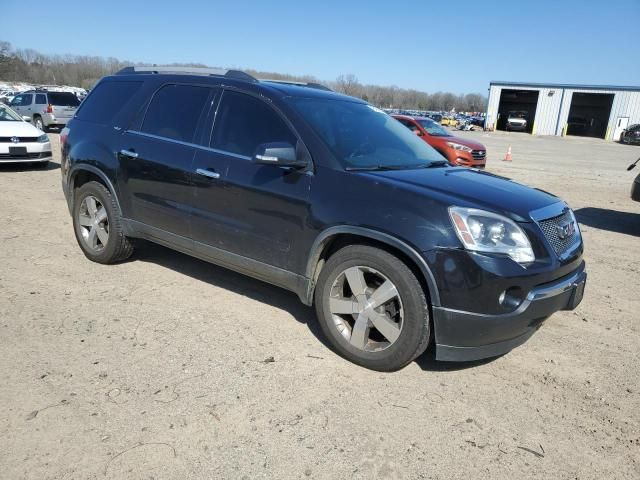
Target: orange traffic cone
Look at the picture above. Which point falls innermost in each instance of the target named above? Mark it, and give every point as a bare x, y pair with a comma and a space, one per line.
507, 157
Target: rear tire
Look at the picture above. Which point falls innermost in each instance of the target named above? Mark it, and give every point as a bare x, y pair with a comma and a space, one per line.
379, 335
98, 225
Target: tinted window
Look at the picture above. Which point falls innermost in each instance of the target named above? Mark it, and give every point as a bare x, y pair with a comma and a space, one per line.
106, 101
244, 122
22, 100
41, 99
362, 136
63, 99
174, 112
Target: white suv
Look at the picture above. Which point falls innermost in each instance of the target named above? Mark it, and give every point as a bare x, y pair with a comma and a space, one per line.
46, 109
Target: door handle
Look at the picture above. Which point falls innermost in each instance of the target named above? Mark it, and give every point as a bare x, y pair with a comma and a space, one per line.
207, 173
129, 153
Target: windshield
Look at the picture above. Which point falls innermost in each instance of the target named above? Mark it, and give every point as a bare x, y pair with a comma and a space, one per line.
63, 99
434, 129
364, 137
8, 115
518, 114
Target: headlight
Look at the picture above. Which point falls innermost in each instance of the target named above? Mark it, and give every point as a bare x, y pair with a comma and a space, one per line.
457, 146
482, 231
43, 138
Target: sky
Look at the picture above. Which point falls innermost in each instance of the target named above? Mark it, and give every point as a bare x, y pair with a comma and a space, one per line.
428, 45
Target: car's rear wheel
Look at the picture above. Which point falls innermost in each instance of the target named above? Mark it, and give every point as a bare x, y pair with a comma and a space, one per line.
38, 123
372, 308
97, 225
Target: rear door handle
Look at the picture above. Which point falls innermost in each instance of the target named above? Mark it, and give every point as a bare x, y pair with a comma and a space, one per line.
207, 173
129, 153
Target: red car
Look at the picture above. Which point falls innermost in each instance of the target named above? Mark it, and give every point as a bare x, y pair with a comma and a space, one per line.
458, 151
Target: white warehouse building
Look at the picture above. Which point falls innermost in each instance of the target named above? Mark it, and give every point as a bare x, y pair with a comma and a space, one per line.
601, 111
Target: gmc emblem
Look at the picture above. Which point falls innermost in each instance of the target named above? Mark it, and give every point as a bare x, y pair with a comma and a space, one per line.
566, 230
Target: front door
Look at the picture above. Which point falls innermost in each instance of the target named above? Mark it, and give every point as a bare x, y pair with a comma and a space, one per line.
621, 124
263, 209
156, 160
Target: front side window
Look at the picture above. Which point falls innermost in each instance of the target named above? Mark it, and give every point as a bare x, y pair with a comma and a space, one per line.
364, 137
174, 112
244, 122
22, 100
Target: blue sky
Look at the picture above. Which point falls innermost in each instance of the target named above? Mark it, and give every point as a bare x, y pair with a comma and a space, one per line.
456, 46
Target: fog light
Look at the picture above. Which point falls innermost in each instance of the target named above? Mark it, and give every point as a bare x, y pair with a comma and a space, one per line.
511, 298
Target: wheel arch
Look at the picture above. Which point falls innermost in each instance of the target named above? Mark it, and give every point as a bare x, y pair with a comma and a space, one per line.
336, 237
84, 173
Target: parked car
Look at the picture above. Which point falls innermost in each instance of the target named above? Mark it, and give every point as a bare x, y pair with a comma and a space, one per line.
436, 117
448, 121
324, 195
46, 109
457, 150
21, 142
631, 134
517, 120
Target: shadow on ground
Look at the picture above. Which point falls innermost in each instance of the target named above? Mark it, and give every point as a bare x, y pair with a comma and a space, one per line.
265, 293
28, 167
611, 220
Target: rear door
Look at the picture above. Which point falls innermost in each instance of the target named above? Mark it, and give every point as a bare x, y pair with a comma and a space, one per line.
156, 157
264, 208
63, 104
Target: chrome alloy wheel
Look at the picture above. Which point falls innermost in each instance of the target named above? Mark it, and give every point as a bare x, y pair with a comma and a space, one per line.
94, 223
366, 308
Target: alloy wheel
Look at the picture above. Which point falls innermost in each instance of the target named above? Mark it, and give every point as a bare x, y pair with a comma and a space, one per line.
94, 223
366, 308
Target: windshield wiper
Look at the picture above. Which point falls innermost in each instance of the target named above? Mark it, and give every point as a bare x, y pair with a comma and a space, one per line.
370, 168
437, 163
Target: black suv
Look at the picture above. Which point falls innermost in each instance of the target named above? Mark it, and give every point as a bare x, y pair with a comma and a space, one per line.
326, 196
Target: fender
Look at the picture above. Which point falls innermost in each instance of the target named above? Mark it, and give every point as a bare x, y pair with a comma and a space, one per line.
73, 171
326, 235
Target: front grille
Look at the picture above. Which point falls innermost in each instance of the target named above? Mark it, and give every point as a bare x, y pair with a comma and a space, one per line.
478, 154
552, 228
21, 139
34, 155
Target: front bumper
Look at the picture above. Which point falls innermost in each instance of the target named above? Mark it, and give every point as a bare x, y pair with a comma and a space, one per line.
465, 336
33, 152
517, 126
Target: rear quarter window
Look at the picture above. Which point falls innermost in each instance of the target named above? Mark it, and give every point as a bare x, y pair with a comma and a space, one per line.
106, 101
63, 99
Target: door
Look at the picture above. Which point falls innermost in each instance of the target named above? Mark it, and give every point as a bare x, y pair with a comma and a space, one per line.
22, 104
156, 159
621, 124
264, 208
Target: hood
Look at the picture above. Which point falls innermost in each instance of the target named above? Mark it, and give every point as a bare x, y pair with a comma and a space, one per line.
466, 187
462, 141
18, 129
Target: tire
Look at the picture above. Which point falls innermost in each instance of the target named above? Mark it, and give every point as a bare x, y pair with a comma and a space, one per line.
407, 312
39, 123
108, 243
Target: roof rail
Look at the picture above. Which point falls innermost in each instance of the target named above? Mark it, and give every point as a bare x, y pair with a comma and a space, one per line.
318, 86
218, 72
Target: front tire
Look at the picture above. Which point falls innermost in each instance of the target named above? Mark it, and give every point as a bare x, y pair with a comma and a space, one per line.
98, 226
39, 123
372, 308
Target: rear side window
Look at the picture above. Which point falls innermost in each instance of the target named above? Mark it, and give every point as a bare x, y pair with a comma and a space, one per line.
244, 122
174, 112
63, 99
41, 99
106, 101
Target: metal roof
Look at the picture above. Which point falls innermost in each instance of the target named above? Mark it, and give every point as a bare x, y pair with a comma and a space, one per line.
566, 85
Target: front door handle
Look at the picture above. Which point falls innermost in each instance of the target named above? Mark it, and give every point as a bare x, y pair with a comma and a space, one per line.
207, 173
129, 153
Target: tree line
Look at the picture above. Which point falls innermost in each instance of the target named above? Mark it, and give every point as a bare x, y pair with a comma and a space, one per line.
30, 66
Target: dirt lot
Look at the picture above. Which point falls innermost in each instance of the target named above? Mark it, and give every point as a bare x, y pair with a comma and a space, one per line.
166, 367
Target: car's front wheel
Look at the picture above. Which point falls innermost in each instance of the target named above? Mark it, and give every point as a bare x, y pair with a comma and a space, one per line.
39, 124
97, 225
372, 308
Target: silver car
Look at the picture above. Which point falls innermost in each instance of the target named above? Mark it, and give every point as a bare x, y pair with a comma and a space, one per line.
46, 109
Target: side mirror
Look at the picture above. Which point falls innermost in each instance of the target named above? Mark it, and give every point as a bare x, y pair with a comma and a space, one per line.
26, 118
281, 154
418, 133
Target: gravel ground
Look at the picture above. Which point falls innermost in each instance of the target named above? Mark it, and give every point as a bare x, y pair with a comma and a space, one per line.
166, 367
